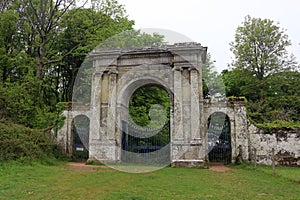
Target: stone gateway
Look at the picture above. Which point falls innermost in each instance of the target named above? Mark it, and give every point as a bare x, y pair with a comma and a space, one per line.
117, 74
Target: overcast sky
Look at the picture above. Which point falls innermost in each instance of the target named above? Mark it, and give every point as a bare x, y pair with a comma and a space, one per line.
213, 22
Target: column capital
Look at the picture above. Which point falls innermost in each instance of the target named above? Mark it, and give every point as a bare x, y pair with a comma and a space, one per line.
113, 71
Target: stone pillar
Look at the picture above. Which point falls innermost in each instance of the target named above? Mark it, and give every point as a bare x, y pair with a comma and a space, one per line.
95, 107
64, 134
178, 126
202, 118
186, 104
95, 136
112, 103
104, 105
195, 100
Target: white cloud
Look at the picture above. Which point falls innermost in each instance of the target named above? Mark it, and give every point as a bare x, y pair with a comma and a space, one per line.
213, 22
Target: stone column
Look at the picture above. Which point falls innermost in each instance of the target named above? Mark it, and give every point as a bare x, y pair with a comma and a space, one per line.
195, 100
202, 118
95, 107
104, 105
178, 127
186, 104
112, 103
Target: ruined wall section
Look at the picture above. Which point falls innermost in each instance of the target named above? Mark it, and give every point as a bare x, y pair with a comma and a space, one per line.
64, 135
286, 146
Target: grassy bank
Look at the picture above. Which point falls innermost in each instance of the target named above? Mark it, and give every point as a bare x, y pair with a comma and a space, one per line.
36, 181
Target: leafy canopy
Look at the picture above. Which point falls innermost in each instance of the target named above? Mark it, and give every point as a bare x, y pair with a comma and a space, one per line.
264, 74
260, 47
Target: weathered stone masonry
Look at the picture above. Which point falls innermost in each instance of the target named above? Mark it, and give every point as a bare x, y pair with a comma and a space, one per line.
178, 69
286, 146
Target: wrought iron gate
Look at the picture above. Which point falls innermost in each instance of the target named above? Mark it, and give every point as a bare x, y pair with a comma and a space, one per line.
80, 143
145, 146
219, 138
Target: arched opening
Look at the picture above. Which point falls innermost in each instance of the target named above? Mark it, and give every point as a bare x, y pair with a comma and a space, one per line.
80, 138
219, 138
146, 132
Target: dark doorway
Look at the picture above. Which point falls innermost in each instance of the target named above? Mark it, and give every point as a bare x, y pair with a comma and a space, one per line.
219, 138
80, 132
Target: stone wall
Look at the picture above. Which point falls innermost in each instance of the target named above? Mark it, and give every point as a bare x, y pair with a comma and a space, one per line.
117, 74
286, 146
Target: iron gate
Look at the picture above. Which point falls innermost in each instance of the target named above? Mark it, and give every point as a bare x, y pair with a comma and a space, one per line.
144, 145
80, 143
219, 138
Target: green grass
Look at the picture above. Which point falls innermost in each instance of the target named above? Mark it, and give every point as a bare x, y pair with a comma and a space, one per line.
36, 181
289, 173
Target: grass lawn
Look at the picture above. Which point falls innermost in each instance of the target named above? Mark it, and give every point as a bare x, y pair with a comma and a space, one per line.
59, 182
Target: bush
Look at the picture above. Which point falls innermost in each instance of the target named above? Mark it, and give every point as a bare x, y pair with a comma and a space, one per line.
17, 141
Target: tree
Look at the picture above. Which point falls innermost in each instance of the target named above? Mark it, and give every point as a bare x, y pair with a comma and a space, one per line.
212, 80
264, 73
81, 30
133, 39
144, 99
260, 47
42, 45
241, 83
44, 18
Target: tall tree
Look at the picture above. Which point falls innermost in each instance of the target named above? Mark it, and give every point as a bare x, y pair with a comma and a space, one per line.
260, 47
264, 73
212, 79
44, 17
42, 43
81, 30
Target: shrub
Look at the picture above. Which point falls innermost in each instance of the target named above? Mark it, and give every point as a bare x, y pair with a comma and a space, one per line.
17, 141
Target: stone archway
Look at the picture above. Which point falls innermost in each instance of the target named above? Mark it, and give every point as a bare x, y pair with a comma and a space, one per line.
147, 140
116, 74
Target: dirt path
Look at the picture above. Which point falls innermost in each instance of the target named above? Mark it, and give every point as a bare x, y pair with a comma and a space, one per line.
219, 167
82, 167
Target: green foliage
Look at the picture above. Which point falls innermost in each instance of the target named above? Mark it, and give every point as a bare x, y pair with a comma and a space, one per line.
133, 38
260, 47
149, 103
241, 83
19, 103
80, 31
274, 99
264, 74
212, 81
278, 125
42, 46
17, 141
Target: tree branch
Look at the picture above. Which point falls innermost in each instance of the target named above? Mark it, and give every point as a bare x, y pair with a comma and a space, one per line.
63, 56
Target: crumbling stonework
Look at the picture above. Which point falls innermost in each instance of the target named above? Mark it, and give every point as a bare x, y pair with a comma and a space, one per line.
116, 74
286, 146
